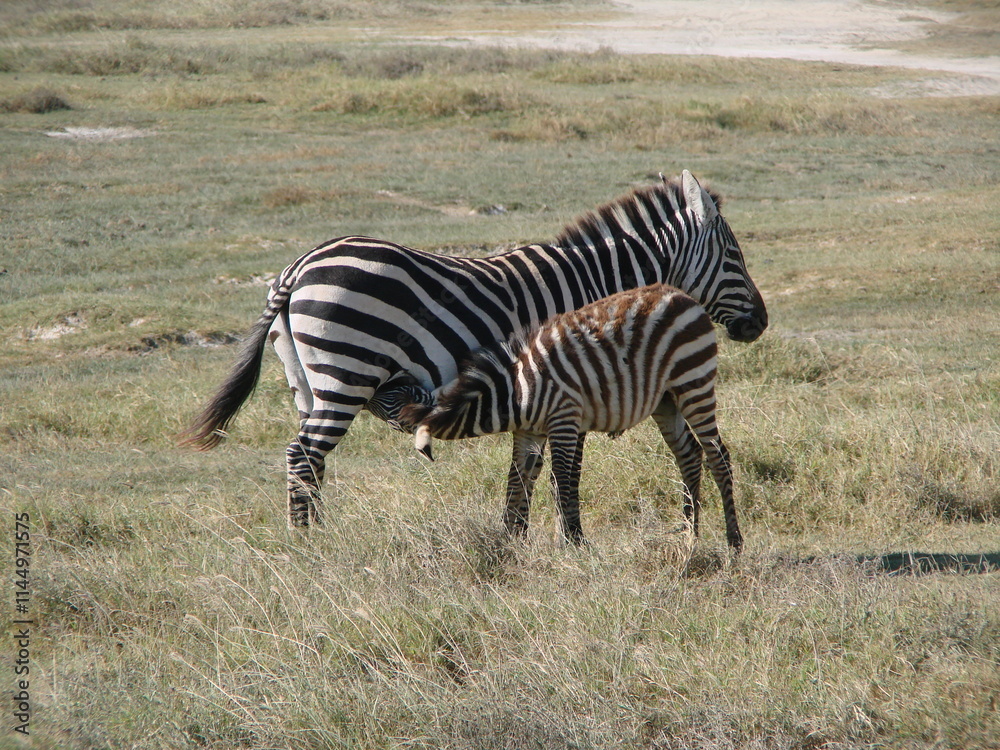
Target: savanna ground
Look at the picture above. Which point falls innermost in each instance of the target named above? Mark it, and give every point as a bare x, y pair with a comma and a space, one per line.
214, 143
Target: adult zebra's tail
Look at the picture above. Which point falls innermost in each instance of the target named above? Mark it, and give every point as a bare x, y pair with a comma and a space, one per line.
209, 428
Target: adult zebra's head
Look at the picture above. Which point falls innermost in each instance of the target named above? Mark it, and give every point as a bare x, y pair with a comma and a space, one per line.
710, 266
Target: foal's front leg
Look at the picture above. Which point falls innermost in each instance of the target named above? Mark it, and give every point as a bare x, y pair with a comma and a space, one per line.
566, 447
687, 452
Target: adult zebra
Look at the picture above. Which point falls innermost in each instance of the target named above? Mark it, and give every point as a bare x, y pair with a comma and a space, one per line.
357, 320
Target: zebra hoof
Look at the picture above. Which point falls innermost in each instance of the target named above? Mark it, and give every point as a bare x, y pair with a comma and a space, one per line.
303, 513
736, 542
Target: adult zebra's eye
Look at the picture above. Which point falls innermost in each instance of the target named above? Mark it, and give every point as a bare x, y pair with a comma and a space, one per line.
733, 252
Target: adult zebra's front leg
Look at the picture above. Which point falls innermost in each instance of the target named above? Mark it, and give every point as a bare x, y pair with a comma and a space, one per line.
525, 467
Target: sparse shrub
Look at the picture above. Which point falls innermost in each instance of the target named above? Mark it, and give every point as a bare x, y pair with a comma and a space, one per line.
599, 68
392, 64
129, 57
355, 104
402, 62
420, 99
555, 128
182, 96
38, 101
821, 116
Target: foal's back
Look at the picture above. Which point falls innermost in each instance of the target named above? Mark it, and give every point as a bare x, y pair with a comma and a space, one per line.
614, 360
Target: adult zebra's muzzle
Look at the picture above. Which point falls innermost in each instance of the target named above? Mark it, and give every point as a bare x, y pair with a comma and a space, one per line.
747, 327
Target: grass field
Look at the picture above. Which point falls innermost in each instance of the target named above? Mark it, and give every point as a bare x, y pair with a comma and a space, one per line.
158, 168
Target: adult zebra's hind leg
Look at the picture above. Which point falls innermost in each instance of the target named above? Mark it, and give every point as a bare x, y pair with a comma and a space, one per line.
326, 407
687, 452
305, 456
305, 476
525, 466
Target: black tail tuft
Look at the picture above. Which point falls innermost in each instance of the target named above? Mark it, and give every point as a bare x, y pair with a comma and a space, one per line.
208, 429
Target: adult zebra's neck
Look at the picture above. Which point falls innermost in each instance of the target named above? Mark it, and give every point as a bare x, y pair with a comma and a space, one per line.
668, 233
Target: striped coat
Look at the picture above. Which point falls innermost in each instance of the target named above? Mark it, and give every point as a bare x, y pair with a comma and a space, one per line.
602, 368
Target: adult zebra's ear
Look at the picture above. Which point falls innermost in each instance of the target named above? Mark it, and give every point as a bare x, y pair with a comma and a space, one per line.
698, 198
422, 442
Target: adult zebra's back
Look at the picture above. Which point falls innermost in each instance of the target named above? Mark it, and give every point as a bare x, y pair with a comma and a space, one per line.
358, 318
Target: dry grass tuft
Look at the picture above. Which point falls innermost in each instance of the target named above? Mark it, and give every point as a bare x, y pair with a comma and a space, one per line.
950, 499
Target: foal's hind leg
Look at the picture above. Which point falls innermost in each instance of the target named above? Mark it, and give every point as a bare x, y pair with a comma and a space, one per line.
687, 452
566, 448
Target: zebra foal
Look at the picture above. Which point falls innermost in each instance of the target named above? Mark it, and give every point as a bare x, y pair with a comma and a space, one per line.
602, 368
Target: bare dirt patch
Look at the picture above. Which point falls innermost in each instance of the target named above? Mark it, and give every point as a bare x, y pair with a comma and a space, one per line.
99, 134
855, 33
71, 323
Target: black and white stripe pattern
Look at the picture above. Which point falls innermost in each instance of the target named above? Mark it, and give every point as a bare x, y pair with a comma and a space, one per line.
357, 318
602, 368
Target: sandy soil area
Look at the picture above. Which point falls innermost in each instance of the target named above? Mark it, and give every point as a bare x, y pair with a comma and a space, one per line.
844, 31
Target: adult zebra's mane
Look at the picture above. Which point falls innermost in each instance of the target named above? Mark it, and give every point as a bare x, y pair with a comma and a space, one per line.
592, 223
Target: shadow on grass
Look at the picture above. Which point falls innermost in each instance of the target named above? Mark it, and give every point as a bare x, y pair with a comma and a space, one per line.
909, 563
924, 563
